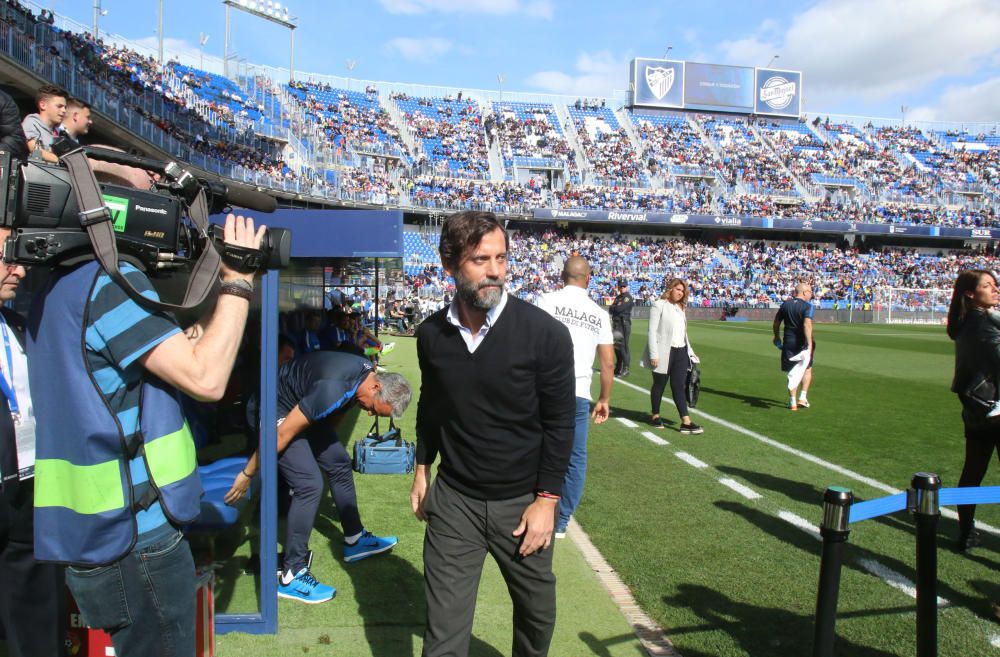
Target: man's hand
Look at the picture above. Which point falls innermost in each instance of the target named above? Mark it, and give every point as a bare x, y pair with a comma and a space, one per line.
601, 412
537, 523
418, 491
654, 363
777, 343
240, 232
239, 490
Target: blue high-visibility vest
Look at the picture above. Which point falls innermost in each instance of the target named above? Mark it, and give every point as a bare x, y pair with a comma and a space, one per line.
85, 505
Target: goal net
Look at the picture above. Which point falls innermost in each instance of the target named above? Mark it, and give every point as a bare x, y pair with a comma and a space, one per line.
907, 305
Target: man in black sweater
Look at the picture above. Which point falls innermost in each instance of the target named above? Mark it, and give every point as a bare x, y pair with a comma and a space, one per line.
497, 402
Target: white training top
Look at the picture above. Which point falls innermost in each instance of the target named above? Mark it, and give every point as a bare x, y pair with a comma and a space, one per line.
589, 325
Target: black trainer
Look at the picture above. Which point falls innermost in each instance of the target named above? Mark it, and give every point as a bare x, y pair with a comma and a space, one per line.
691, 429
657, 422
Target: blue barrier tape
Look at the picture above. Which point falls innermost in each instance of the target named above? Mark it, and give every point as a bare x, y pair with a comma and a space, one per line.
875, 508
982, 495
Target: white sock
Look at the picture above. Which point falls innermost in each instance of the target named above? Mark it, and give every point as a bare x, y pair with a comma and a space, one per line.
287, 577
351, 540
802, 397
791, 401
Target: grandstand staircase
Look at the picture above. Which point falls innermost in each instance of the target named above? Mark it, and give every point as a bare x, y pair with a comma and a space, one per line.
806, 191
494, 156
625, 121
573, 139
399, 121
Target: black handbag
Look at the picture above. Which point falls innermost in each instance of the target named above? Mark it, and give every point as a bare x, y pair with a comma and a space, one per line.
981, 391
692, 387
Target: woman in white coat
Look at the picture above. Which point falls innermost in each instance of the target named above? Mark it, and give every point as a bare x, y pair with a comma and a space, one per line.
669, 353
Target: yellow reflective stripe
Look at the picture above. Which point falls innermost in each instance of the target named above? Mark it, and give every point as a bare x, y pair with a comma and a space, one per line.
86, 489
171, 457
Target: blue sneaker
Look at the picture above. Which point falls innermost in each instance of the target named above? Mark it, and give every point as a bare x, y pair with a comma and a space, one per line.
368, 545
304, 588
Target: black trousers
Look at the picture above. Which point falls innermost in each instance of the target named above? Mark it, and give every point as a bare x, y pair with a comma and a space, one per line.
623, 356
314, 453
677, 369
460, 532
32, 595
980, 444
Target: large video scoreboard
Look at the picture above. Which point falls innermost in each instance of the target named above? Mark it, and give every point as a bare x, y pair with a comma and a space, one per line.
669, 83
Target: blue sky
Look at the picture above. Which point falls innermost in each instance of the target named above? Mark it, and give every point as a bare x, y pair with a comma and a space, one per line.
939, 58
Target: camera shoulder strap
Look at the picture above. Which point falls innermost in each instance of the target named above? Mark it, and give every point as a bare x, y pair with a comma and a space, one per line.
96, 219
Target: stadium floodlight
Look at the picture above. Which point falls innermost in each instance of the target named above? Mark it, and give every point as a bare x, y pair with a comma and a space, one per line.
98, 12
669, 48
500, 80
773, 59
269, 11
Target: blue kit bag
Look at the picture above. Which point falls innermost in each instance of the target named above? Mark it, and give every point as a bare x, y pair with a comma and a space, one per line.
385, 453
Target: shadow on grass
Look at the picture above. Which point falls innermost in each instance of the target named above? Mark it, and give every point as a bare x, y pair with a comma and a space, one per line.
759, 631
749, 400
854, 555
389, 592
599, 647
810, 494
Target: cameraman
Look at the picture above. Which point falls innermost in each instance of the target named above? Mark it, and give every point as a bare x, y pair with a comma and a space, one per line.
116, 481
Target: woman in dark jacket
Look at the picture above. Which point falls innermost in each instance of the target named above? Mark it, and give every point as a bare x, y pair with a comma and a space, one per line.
977, 341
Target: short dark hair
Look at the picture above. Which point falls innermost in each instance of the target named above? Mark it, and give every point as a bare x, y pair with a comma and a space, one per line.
465, 230
75, 104
47, 91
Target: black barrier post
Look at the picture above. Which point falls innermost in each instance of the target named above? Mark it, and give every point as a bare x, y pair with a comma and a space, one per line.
927, 512
836, 514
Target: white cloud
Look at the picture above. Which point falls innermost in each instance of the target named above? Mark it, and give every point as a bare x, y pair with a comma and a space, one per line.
976, 102
876, 48
533, 8
419, 49
596, 74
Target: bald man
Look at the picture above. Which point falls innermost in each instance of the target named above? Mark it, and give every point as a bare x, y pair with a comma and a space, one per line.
797, 347
590, 327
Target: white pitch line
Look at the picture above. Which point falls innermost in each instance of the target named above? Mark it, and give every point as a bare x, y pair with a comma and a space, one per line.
687, 458
893, 579
874, 483
628, 423
745, 491
653, 438
801, 523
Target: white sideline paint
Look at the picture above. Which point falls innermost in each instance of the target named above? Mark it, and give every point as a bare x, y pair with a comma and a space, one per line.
874, 483
628, 423
653, 438
894, 579
801, 523
745, 491
687, 458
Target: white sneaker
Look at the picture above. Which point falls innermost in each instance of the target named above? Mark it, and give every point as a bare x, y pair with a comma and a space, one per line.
995, 411
560, 534
804, 403
387, 347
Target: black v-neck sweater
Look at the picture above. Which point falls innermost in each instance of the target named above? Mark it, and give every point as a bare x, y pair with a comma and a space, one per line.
502, 418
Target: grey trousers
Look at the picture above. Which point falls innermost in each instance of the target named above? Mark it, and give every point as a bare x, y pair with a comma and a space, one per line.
460, 532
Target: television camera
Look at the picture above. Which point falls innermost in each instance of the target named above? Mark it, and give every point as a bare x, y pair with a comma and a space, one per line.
161, 229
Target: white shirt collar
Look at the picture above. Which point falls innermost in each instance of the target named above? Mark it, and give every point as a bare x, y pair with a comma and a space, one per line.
473, 341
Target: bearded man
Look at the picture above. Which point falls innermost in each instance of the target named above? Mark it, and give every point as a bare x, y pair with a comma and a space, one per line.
497, 403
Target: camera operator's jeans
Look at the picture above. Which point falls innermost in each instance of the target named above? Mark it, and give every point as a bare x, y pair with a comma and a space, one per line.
577, 471
146, 601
